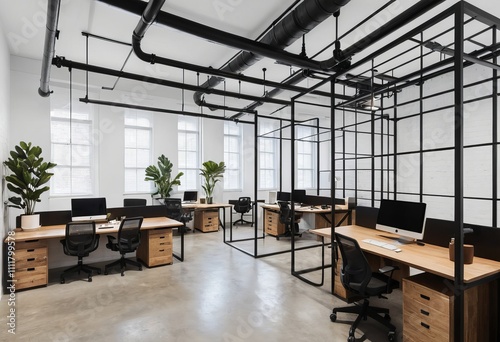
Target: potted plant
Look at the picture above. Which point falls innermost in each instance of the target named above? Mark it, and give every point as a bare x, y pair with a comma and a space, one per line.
162, 177
212, 172
28, 175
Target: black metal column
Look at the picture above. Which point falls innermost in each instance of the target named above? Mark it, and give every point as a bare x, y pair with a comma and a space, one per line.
459, 174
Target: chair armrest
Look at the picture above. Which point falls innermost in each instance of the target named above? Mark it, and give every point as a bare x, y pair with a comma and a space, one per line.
386, 269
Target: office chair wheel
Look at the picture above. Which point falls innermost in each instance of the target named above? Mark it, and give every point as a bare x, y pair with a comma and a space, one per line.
391, 336
333, 317
63, 281
90, 279
351, 339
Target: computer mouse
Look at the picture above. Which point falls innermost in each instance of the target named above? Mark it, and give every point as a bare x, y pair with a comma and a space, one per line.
397, 250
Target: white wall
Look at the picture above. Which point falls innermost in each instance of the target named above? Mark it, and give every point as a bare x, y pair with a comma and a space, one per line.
4, 132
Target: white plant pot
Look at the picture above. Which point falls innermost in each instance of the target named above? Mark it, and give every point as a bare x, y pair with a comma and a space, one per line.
30, 222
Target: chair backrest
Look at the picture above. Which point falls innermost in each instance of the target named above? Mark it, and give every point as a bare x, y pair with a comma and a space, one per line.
80, 238
174, 208
355, 273
134, 202
284, 212
129, 234
243, 205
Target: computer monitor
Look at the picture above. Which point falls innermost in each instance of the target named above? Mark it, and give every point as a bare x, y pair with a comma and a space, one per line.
283, 196
272, 197
407, 219
190, 196
299, 196
84, 209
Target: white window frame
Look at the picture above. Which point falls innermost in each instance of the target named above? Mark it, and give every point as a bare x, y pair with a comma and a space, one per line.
267, 127
68, 119
140, 171
305, 135
232, 171
182, 134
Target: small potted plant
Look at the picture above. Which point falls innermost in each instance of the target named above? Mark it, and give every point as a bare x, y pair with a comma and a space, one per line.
161, 176
212, 172
28, 175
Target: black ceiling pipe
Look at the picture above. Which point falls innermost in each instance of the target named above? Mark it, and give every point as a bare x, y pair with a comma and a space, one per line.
53, 7
62, 62
404, 18
300, 21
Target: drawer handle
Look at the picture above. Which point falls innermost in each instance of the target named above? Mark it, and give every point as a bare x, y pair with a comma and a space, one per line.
30, 250
162, 243
31, 259
30, 241
162, 237
424, 312
162, 250
425, 297
426, 326
30, 269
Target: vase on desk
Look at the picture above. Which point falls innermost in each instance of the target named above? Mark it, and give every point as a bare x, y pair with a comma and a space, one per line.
30, 222
210, 200
468, 252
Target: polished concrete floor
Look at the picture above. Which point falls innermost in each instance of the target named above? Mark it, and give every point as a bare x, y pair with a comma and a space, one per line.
217, 294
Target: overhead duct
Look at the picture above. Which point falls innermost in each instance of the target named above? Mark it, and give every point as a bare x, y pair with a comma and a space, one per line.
301, 20
298, 22
404, 18
53, 7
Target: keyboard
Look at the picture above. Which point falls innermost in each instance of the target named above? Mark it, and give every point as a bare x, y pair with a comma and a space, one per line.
382, 244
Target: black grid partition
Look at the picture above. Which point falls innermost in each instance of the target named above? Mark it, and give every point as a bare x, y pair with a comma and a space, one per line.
433, 136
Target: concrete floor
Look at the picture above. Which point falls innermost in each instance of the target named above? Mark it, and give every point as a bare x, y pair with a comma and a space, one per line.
217, 294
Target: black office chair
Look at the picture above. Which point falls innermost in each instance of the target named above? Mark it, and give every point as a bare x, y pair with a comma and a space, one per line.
134, 202
127, 241
243, 206
176, 212
80, 239
291, 224
357, 277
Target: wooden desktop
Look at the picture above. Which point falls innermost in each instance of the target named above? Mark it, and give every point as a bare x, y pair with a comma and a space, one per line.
428, 297
31, 248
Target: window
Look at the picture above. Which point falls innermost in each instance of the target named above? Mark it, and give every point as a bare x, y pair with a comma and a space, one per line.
305, 157
138, 138
188, 135
267, 155
232, 156
71, 149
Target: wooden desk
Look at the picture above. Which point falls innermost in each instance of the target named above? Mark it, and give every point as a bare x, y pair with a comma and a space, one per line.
31, 248
207, 216
428, 297
323, 217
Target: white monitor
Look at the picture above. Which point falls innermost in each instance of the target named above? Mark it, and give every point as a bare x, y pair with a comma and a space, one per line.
407, 219
88, 209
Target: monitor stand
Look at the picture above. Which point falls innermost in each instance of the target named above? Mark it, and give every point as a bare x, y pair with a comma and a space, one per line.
403, 240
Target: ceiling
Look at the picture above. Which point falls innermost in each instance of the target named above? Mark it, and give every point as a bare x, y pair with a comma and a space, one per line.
24, 25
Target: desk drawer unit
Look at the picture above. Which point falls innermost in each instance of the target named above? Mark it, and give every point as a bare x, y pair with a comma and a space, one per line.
31, 264
156, 247
206, 220
428, 310
272, 224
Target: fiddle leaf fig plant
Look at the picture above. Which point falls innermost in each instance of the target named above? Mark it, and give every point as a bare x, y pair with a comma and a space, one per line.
161, 176
212, 172
28, 175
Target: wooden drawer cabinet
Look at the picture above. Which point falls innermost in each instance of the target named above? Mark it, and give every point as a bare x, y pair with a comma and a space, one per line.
206, 220
272, 224
156, 247
31, 265
428, 310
